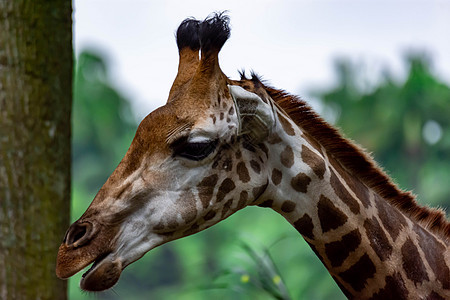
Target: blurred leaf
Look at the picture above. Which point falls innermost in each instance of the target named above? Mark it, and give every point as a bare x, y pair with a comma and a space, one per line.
390, 122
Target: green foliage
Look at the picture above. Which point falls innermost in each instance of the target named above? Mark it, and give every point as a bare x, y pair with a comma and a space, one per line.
405, 125
267, 278
102, 131
392, 120
103, 124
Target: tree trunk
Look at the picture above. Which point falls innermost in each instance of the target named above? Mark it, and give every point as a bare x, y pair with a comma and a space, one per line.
35, 106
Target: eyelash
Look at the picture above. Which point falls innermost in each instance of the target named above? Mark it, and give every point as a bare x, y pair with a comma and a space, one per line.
193, 151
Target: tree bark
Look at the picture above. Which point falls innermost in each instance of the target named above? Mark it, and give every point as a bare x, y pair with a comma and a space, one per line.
35, 107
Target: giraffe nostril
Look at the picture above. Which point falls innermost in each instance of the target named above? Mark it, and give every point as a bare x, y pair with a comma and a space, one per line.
78, 234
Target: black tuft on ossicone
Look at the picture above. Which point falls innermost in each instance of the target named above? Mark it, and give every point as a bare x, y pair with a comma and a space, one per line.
256, 78
214, 32
188, 34
242, 74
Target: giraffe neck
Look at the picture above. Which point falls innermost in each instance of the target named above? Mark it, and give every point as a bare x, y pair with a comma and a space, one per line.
370, 248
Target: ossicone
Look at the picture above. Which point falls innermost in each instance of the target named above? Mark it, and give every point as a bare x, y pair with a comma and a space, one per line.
214, 32
193, 37
188, 34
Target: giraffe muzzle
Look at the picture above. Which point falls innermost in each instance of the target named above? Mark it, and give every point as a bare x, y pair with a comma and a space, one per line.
88, 242
102, 275
78, 234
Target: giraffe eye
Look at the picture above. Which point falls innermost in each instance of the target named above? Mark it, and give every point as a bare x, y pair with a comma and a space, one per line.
193, 150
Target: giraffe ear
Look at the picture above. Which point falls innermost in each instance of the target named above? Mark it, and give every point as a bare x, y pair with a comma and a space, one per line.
255, 114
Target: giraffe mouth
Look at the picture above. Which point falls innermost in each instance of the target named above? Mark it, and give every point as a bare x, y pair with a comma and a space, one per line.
94, 264
102, 275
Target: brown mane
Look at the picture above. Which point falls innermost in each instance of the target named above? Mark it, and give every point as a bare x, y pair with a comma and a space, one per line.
359, 163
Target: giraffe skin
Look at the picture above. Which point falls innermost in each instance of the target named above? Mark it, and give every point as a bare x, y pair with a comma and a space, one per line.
219, 145
369, 247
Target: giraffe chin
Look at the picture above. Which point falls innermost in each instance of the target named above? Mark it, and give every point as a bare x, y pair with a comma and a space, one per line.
102, 275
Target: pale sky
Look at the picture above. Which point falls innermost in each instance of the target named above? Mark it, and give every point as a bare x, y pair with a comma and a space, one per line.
292, 44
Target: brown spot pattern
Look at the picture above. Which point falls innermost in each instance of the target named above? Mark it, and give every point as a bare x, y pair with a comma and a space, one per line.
226, 207
267, 203
358, 274
242, 171
248, 146
287, 157
216, 163
226, 187
338, 251
434, 254
238, 154
434, 296
305, 226
206, 189
172, 224
288, 206
412, 264
274, 139
193, 229
314, 161
343, 194
394, 288
276, 176
330, 216
378, 240
360, 190
300, 182
264, 149
312, 142
255, 166
243, 198
392, 219
159, 226
257, 191
209, 215
287, 127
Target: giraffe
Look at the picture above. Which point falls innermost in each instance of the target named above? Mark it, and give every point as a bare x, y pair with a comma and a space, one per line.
219, 145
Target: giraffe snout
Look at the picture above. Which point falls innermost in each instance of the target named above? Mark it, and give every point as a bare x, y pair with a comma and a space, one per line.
78, 234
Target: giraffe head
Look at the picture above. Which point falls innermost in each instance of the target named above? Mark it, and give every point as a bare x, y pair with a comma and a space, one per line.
183, 171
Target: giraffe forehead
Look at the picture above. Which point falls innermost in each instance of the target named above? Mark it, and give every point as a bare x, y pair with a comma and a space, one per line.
174, 120
151, 139
169, 119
